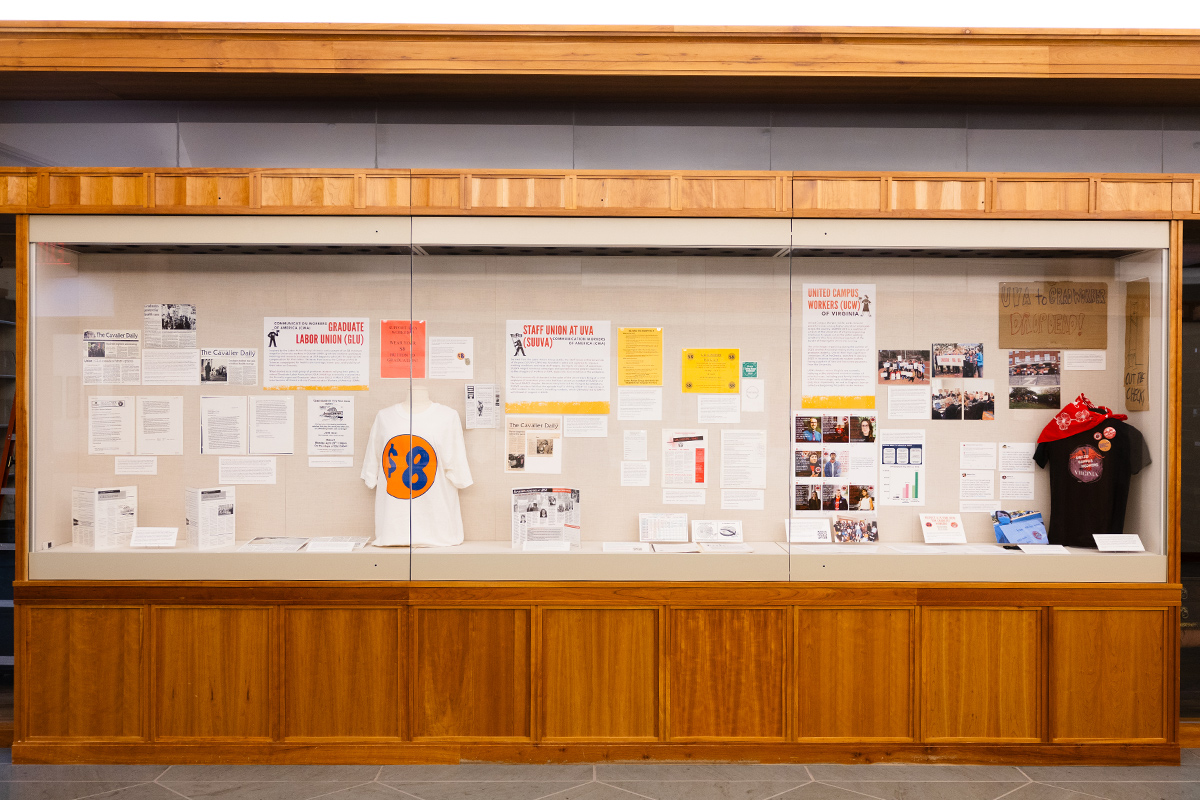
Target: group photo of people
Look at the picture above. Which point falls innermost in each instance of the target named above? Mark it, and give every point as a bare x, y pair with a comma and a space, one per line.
979, 399
947, 398
958, 360
903, 366
847, 530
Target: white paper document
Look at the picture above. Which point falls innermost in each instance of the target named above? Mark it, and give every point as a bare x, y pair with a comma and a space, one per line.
839, 361
231, 366
663, 527
1016, 485
716, 530
725, 547
742, 499
546, 546
246, 469
975, 484
977, 455
210, 518
685, 497
902, 467
808, 529
943, 529
685, 453
272, 426
639, 402
635, 446
329, 353
754, 395
1084, 360
533, 444
585, 426
169, 325
451, 357
135, 465
170, 367
625, 547
154, 537
273, 544
112, 358
159, 425
331, 426
103, 518
223, 429
718, 408
482, 405
110, 426
1017, 456
1119, 543
676, 547
909, 402
328, 462
743, 459
635, 473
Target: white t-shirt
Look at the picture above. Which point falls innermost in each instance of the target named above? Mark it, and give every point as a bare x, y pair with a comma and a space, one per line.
418, 473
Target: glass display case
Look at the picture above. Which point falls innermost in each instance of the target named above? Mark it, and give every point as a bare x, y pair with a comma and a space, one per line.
597, 399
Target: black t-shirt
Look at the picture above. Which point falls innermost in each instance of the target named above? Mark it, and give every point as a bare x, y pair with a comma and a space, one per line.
1089, 480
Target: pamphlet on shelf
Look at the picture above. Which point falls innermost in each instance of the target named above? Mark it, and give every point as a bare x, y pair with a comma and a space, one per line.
103, 518
1119, 543
545, 513
154, 537
546, 546
725, 547
210, 517
943, 529
1044, 549
662, 527
676, 547
716, 530
355, 542
273, 544
626, 547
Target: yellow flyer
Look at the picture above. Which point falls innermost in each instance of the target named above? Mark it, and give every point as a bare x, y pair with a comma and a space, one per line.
711, 371
639, 356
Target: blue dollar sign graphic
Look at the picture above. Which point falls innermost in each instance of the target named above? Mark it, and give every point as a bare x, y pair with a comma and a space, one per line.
414, 477
391, 464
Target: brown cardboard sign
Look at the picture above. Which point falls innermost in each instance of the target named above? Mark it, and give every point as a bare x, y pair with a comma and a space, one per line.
1058, 315
1137, 345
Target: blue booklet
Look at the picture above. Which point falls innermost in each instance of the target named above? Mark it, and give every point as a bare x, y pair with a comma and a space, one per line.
1019, 527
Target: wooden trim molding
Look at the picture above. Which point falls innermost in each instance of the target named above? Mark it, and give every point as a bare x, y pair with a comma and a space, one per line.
592, 193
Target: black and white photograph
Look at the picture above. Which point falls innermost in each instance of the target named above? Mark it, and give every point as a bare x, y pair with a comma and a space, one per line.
903, 367
178, 316
214, 370
947, 398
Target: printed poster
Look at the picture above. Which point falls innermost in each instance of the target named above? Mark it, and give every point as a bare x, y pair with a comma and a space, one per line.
557, 366
711, 371
322, 353
840, 360
639, 356
401, 343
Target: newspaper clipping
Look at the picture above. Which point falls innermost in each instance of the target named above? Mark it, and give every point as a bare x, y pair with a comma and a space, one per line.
170, 326
534, 444
232, 366
112, 358
545, 515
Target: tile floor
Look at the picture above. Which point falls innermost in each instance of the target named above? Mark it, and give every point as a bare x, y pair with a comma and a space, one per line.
602, 782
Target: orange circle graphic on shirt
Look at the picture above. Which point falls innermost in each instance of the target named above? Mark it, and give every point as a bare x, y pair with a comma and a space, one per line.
409, 466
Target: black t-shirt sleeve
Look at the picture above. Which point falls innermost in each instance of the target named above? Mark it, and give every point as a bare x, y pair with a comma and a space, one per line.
1041, 455
1139, 451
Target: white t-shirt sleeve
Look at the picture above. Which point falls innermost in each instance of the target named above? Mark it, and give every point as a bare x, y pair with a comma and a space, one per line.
457, 468
370, 467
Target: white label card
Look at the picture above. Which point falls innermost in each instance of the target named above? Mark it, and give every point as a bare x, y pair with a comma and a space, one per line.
561, 546
718, 408
684, 497
1119, 543
635, 473
742, 499
154, 537
809, 530
1084, 360
585, 426
330, 461
943, 529
246, 470
639, 403
626, 547
136, 465
1044, 549
329, 547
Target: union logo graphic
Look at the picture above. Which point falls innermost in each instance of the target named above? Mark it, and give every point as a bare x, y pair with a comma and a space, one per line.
409, 466
1086, 464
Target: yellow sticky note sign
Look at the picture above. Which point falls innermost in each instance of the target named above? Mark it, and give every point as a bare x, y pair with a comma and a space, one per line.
711, 371
639, 356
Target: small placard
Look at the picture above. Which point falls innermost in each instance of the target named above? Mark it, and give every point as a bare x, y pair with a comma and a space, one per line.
943, 529
626, 547
676, 547
808, 530
329, 547
1044, 549
562, 546
136, 465
316, 462
154, 537
725, 547
1119, 543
